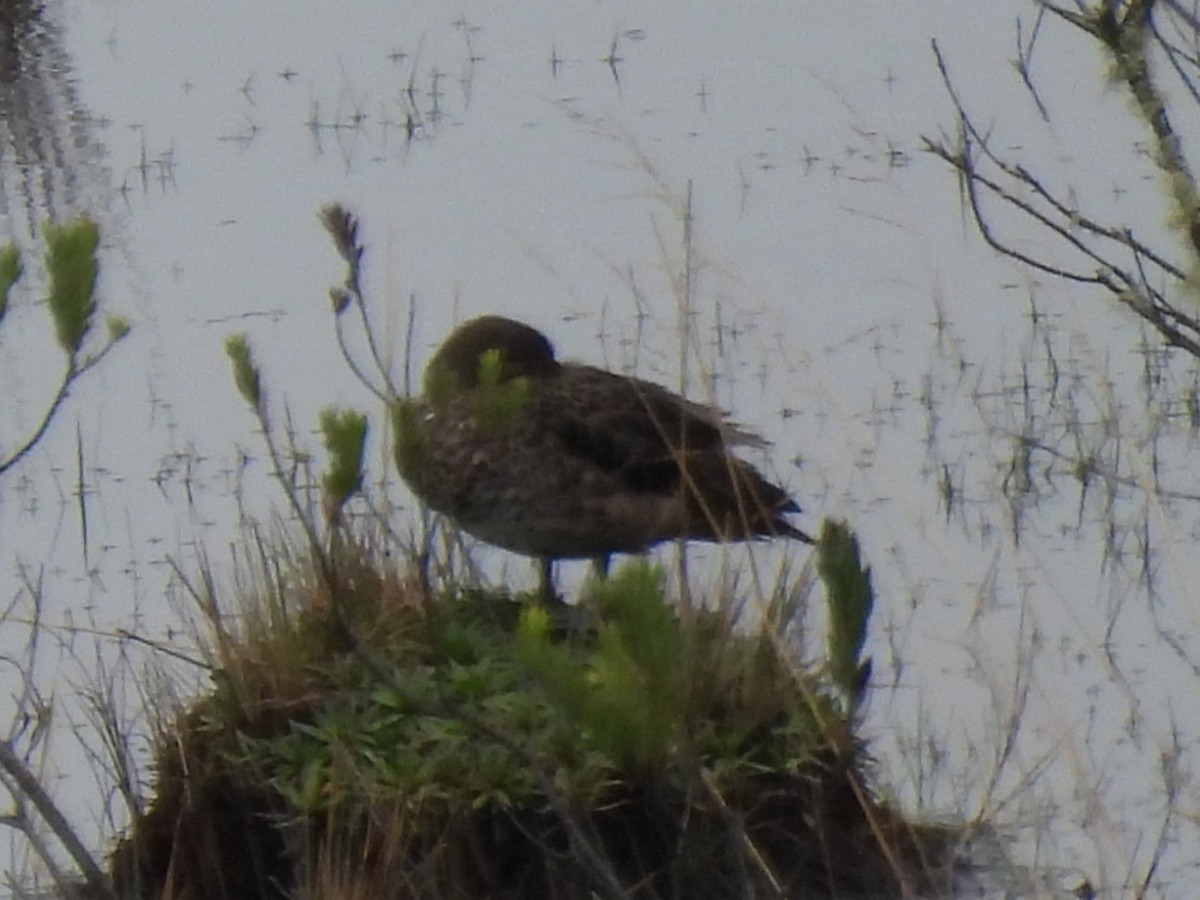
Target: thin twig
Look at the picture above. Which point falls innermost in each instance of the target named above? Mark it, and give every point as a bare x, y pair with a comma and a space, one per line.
31, 788
60, 395
1133, 288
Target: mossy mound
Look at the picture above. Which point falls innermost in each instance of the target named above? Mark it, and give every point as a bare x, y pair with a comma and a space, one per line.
363, 739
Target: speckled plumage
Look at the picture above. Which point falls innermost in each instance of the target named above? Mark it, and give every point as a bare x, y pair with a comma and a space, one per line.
563, 460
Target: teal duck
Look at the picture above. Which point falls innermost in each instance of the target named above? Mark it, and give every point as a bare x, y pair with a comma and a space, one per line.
559, 460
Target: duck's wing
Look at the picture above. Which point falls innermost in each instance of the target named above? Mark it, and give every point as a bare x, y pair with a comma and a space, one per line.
635, 430
700, 425
652, 441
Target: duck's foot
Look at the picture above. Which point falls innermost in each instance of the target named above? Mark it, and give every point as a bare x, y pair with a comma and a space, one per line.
549, 597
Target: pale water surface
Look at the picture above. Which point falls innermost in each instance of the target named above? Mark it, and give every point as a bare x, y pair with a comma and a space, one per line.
535, 161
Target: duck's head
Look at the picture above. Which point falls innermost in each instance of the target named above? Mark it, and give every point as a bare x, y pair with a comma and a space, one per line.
491, 349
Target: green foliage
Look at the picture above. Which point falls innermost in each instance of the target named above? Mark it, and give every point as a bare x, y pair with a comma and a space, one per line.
117, 327
649, 688
628, 696
634, 606
72, 268
475, 715
624, 696
10, 271
491, 368
345, 436
427, 737
71, 261
408, 438
850, 598
440, 385
553, 664
498, 402
245, 372
637, 690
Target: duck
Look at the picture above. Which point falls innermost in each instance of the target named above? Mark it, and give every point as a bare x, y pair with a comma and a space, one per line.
562, 460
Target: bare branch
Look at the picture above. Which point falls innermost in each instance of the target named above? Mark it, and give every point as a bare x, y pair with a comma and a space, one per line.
30, 787
1132, 283
1025, 57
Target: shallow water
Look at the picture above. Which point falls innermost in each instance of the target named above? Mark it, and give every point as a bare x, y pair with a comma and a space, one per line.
538, 163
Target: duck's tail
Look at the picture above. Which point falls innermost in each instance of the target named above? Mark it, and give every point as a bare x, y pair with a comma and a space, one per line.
730, 500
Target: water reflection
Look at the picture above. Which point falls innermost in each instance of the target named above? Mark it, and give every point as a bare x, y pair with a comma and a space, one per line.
49, 160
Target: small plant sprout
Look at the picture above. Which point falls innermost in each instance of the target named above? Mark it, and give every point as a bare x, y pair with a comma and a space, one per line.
345, 435
499, 402
850, 599
117, 327
245, 373
71, 260
408, 442
72, 268
628, 696
10, 271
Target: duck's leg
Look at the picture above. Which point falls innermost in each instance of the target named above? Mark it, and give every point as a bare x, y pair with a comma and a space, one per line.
546, 582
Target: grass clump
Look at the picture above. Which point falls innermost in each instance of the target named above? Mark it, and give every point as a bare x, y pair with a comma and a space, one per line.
359, 740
